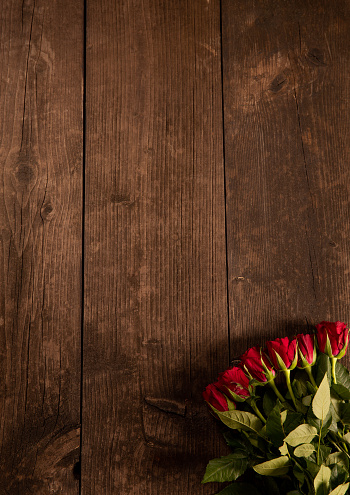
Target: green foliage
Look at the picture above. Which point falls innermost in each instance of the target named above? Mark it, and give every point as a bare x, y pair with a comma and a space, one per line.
344, 413
237, 441
323, 366
301, 434
303, 448
340, 490
226, 468
292, 421
343, 375
339, 458
274, 425
274, 467
321, 481
240, 420
322, 400
269, 401
339, 475
341, 391
300, 384
321, 426
312, 468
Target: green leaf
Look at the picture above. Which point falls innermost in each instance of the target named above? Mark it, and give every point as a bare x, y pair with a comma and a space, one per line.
317, 423
311, 388
342, 391
299, 384
292, 421
340, 490
274, 426
227, 468
339, 475
342, 374
269, 400
335, 408
322, 400
237, 440
299, 473
283, 449
347, 437
239, 489
344, 413
304, 450
321, 482
240, 420
324, 453
323, 365
301, 434
337, 458
312, 468
274, 467
307, 400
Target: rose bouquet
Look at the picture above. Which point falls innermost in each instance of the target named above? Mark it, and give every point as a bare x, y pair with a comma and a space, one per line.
285, 411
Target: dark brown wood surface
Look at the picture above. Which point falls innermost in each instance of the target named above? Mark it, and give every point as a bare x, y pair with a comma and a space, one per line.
41, 211
287, 149
155, 270
204, 221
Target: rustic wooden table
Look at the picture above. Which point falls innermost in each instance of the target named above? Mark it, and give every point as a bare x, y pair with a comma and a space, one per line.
175, 188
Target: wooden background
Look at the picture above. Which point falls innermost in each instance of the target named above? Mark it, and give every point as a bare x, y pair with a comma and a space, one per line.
174, 188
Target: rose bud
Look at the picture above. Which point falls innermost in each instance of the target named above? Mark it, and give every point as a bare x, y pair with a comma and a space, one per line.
234, 382
257, 365
307, 350
283, 353
216, 399
332, 338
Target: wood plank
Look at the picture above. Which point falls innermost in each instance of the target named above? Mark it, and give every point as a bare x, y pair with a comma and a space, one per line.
155, 299
286, 93
40, 217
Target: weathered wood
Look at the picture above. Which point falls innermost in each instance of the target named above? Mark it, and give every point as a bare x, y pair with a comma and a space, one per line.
286, 93
155, 283
40, 219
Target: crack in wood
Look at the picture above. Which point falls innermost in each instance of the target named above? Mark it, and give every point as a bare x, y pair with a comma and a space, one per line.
167, 405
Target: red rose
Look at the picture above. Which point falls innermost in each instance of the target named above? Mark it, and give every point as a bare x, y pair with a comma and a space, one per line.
257, 365
283, 353
332, 338
307, 350
234, 382
215, 398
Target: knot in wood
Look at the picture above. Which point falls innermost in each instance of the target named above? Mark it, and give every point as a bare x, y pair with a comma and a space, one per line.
121, 199
278, 83
46, 211
24, 174
316, 57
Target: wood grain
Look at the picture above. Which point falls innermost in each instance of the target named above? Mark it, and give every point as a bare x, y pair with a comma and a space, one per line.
155, 282
155, 301
286, 93
40, 219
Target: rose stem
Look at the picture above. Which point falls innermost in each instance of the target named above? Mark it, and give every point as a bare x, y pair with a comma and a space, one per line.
287, 375
319, 444
333, 361
275, 389
309, 372
256, 409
